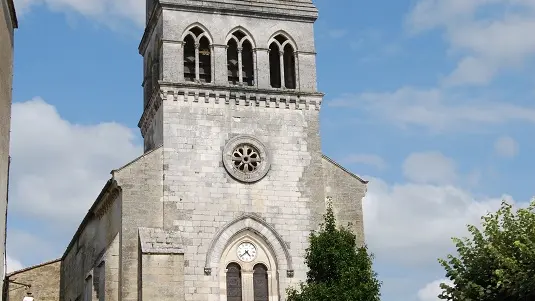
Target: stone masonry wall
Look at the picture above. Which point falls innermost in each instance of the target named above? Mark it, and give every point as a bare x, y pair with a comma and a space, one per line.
44, 281
219, 27
141, 187
162, 277
6, 76
347, 192
201, 198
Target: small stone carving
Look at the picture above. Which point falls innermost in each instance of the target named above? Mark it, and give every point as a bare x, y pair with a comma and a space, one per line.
246, 159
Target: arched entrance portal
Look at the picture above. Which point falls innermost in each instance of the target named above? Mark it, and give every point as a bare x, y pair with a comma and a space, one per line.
248, 270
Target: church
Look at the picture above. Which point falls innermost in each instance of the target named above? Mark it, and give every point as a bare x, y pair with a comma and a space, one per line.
232, 180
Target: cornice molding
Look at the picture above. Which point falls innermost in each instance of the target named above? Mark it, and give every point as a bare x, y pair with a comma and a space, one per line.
225, 95
294, 11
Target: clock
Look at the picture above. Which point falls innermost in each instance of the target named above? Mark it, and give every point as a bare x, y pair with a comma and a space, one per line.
246, 252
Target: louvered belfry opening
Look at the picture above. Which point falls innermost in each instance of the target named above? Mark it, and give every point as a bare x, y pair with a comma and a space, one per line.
197, 56
282, 63
240, 59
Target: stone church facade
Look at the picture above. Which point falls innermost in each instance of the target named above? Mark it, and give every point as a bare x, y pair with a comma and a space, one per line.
232, 181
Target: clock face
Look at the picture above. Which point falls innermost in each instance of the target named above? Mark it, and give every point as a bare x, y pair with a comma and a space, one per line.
246, 252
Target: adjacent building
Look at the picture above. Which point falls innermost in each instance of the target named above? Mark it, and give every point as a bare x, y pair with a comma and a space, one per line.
232, 180
8, 22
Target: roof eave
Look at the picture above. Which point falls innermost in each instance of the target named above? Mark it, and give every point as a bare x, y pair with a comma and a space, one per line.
13, 13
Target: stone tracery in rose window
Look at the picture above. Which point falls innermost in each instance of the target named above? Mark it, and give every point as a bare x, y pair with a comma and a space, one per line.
246, 158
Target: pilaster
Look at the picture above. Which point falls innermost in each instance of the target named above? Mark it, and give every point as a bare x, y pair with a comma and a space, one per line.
173, 56
262, 68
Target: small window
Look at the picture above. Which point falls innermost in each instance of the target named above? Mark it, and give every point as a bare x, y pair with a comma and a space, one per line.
88, 294
101, 294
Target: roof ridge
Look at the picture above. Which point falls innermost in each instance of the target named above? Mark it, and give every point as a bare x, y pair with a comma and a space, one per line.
32, 267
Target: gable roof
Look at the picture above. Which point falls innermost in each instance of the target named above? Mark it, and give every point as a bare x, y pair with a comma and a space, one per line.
345, 170
32, 267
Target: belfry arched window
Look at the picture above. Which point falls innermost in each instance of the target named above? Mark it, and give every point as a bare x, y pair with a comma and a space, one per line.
197, 56
148, 79
155, 67
234, 282
282, 63
240, 59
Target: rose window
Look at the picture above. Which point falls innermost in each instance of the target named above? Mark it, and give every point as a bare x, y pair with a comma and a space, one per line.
246, 158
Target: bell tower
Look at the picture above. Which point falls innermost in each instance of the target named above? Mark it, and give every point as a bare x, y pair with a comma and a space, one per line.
230, 98
218, 51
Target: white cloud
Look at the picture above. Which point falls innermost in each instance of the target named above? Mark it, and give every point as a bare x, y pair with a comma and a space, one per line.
430, 168
506, 147
435, 109
431, 291
366, 159
107, 11
413, 222
13, 264
58, 168
489, 35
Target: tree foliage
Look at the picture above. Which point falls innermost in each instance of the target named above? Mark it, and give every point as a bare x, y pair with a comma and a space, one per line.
339, 270
498, 262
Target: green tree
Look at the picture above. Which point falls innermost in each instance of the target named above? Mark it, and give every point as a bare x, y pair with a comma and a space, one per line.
498, 262
339, 270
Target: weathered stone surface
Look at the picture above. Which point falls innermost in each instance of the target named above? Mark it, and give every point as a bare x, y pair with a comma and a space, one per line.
346, 191
44, 280
8, 23
158, 241
162, 277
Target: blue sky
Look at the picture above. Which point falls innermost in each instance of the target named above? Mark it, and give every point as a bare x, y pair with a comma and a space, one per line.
431, 100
